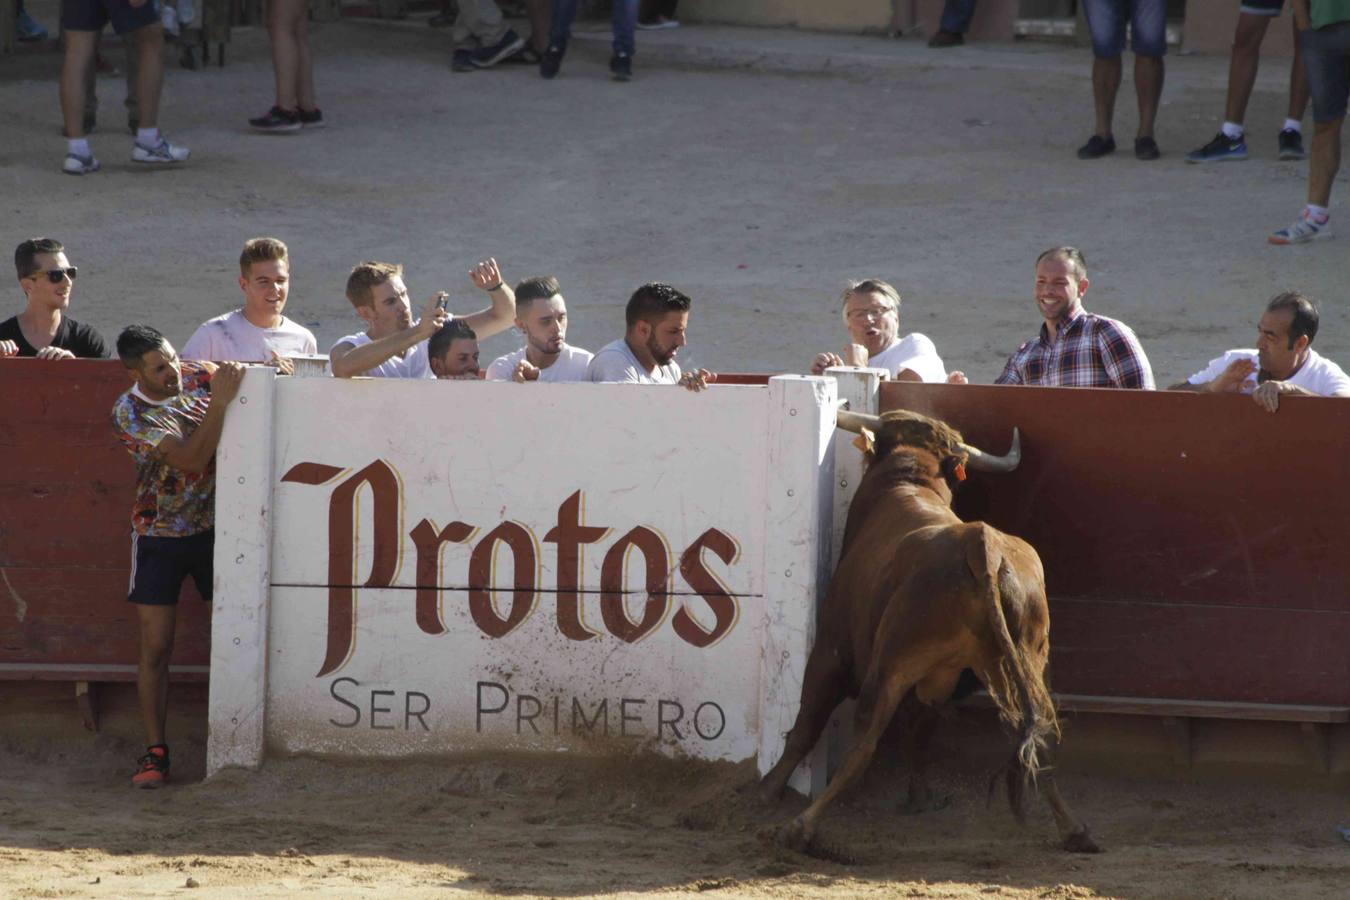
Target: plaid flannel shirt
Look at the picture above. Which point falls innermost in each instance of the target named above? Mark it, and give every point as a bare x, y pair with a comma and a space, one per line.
1089, 351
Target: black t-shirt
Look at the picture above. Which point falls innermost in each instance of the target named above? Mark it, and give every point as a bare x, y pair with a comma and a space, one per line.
79, 339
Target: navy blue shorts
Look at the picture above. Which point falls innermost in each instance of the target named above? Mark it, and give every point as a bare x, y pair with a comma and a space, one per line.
1147, 20
92, 15
1326, 57
1270, 8
160, 564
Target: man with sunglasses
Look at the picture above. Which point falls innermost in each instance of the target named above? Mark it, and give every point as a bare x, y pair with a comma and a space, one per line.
871, 313
43, 330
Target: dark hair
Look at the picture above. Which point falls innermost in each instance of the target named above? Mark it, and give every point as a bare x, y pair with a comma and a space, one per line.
451, 331
137, 340
539, 288
652, 301
1072, 254
1304, 311
25, 255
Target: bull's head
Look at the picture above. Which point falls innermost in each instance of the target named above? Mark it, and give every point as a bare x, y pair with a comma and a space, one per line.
879, 435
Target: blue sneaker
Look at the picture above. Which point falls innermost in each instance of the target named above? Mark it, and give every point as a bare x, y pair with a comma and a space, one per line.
1221, 148
27, 29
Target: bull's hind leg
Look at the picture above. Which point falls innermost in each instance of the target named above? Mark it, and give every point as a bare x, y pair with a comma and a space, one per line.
923, 717
823, 686
876, 706
1073, 832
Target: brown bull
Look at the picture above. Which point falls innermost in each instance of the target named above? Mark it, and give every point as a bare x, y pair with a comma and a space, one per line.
918, 597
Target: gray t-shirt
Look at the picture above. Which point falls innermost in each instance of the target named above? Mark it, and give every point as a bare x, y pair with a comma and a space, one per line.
616, 363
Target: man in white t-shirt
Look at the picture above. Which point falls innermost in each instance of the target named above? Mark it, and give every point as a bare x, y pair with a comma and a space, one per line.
541, 317
395, 346
871, 311
1282, 363
257, 332
453, 352
657, 316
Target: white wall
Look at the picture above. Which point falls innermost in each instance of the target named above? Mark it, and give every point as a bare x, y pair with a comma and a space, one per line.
746, 469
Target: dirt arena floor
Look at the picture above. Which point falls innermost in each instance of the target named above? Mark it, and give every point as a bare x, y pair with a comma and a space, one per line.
756, 170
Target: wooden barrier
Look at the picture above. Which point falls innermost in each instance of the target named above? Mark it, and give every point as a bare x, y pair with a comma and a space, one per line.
1192, 545
66, 488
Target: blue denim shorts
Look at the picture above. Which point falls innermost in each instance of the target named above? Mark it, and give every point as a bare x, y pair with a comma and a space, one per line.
1106, 21
1326, 57
92, 15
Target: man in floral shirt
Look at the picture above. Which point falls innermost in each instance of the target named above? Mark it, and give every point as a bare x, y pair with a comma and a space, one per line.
170, 421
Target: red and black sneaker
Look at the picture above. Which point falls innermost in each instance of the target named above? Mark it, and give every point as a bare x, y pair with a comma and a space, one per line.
152, 769
277, 121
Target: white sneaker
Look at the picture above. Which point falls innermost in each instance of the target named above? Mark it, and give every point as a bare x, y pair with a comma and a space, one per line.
79, 165
1302, 231
161, 153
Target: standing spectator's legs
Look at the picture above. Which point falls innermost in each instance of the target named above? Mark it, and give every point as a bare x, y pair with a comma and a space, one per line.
292, 59
1242, 65
955, 22
132, 70
1149, 42
1106, 74
1326, 58
623, 21
1106, 23
560, 25
75, 71
496, 40
152, 672
150, 74
540, 17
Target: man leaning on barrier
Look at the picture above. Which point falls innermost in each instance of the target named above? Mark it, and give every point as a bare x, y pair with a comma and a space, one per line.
871, 311
395, 346
170, 421
657, 317
1283, 361
43, 330
1075, 348
453, 352
541, 318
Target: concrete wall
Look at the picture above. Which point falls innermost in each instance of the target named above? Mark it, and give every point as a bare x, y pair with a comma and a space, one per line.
410, 568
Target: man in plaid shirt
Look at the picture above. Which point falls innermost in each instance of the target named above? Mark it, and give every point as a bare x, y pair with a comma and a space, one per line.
1075, 348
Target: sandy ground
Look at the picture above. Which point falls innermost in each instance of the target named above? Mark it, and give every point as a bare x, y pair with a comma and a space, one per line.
551, 826
757, 170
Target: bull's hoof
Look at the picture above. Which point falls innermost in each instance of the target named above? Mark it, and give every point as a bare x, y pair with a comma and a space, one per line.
1081, 842
793, 835
767, 791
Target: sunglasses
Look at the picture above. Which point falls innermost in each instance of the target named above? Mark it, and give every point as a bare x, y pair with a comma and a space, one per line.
56, 275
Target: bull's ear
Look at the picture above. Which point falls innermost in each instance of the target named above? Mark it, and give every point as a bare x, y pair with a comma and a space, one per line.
865, 441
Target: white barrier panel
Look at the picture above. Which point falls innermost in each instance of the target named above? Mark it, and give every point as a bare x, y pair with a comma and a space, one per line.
458, 566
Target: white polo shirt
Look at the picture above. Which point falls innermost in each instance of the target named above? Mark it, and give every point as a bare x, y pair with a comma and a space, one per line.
616, 363
1318, 374
571, 365
413, 364
914, 352
233, 338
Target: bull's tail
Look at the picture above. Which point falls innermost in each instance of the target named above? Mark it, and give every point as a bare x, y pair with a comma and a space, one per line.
1021, 696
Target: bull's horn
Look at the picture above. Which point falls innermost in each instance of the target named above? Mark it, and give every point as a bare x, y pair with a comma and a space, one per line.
985, 462
856, 422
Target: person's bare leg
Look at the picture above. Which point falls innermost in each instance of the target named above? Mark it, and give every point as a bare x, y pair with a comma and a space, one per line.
1298, 82
281, 30
1148, 85
541, 18
1324, 161
1105, 85
150, 78
1243, 63
304, 85
152, 674
79, 60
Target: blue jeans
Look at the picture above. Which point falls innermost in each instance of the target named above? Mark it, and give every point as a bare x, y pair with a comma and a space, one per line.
623, 23
956, 15
1148, 23
1326, 58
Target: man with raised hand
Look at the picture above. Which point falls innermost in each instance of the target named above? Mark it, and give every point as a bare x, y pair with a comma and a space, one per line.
171, 422
1283, 361
657, 317
257, 331
541, 318
1075, 348
871, 312
395, 346
43, 329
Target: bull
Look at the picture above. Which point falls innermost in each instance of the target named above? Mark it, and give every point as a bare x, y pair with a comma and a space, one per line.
919, 597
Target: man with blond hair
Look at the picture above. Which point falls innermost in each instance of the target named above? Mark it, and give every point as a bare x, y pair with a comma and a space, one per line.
1075, 348
871, 313
257, 331
541, 318
393, 344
